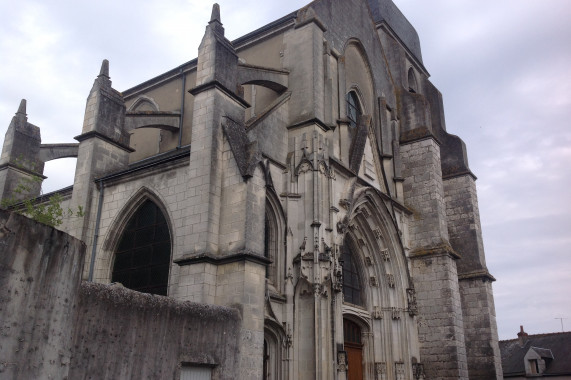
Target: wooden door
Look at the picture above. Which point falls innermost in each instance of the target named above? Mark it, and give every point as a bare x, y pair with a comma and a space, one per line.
355, 361
354, 349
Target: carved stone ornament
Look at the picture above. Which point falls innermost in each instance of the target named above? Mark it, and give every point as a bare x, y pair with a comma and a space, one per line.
391, 280
418, 371
385, 254
304, 166
342, 361
373, 281
342, 226
368, 261
364, 212
395, 312
287, 340
377, 313
399, 370
380, 371
289, 276
411, 298
345, 203
378, 233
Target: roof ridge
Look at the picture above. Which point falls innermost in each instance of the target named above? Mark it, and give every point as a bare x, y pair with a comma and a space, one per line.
538, 335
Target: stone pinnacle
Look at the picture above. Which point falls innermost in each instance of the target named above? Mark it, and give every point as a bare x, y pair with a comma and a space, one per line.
215, 13
22, 107
104, 69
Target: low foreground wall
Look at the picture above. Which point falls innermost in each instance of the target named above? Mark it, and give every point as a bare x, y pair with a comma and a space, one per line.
52, 326
123, 334
40, 269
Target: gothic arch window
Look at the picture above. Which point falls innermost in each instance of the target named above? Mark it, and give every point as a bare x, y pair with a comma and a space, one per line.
352, 289
142, 257
273, 244
272, 359
269, 247
412, 84
353, 109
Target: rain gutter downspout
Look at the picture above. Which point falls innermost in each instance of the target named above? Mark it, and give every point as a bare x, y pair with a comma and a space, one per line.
96, 232
182, 93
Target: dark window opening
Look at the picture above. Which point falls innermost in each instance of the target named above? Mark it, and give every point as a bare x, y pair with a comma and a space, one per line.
351, 332
534, 366
267, 243
351, 279
266, 367
412, 85
142, 259
353, 109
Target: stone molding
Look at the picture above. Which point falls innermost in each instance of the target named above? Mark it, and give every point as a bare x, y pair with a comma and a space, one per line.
221, 260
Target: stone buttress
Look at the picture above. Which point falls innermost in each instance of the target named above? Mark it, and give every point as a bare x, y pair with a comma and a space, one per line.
103, 148
21, 169
223, 258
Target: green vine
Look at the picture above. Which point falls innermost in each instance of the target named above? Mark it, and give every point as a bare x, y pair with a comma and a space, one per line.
50, 212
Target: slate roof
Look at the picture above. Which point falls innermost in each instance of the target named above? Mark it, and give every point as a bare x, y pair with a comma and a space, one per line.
386, 11
555, 345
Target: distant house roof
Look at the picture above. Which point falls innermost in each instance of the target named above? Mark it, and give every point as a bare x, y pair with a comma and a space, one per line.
554, 348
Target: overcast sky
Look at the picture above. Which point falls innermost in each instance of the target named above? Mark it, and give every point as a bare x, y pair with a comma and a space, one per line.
503, 67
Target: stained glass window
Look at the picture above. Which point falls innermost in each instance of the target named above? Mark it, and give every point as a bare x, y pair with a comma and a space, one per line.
142, 259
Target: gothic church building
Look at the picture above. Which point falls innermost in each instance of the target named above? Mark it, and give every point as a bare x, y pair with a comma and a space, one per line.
302, 174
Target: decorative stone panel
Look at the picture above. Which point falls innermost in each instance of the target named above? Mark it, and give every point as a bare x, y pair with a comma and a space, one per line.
377, 313
385, 254
391, 280
380, 371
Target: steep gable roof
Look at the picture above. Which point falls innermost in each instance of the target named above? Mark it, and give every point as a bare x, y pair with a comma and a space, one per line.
555, 345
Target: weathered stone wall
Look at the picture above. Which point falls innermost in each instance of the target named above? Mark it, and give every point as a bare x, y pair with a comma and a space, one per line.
464, 222
479, 316
433, 267
481, 332
423, 193
440, 326
123, 334
40, 268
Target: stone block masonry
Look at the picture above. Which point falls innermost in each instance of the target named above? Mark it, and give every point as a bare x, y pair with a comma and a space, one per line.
440, 327
423, 193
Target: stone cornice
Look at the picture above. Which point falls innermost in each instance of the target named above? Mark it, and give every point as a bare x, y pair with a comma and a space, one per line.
479, 274
206, 257
440, 250
219, 86
90, 134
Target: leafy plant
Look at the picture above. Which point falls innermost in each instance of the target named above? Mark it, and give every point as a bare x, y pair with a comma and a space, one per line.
49, 212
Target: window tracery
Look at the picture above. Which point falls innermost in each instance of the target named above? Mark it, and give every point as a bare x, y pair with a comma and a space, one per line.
142, 257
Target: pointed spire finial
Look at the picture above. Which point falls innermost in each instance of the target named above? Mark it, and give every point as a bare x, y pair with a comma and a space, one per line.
104, 69
22, 107
215, 13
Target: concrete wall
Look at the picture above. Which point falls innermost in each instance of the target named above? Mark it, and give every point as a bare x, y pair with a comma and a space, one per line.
54, 327
123, 334
40, 268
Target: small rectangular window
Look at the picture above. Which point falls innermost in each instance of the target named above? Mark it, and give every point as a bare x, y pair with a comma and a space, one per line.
188, 372
534, 368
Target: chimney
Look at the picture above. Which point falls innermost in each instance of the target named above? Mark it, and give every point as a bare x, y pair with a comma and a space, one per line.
522, 336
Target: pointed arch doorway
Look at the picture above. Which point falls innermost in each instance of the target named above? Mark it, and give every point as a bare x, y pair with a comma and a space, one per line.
354, 348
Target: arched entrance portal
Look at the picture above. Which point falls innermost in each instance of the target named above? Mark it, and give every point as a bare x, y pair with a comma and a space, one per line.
354, 349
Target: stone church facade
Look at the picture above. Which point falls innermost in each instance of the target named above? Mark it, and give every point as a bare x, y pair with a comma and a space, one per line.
302, 174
